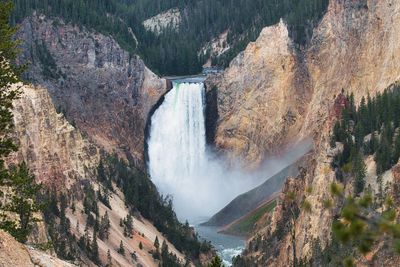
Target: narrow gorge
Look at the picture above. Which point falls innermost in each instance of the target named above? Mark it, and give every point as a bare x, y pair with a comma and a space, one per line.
280, 146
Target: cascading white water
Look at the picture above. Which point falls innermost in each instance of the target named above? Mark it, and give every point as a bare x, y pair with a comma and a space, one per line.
177, 139
177, 146
179, 163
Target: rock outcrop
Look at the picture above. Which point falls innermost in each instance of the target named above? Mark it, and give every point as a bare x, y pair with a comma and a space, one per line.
13, 253
102, 89
170, 19
61, 156
259, 102
273, 95
55, 151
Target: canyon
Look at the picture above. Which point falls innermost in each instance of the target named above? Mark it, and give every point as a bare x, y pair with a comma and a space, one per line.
100, 88
89, 98
273, 95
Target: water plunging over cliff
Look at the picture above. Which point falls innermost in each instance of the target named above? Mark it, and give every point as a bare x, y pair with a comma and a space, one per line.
179, 163
177, 146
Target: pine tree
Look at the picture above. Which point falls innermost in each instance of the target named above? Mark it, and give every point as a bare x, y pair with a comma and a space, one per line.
128, 226
23, 202
9, 75
95, 249
216, 262
359, 173
164, 249
140, 245
109, 259
105, 225
359, 135
156, 243
396, 149
121, 249
383, 155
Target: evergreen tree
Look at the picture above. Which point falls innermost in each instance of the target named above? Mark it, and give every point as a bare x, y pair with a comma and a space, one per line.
396, 149
383, 156
23, 202
359, 135
121, 249
156, 243
109, 259
164, 249
175, 50
95, 249
359, 174
128, 226
216, 262
104, 229
140, 245
9, 75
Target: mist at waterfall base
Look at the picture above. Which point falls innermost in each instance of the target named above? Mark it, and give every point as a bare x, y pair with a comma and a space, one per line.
181, 165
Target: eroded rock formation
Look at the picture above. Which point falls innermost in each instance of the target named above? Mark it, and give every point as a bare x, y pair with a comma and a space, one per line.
13, 253
102, 89
55, 151
273, 94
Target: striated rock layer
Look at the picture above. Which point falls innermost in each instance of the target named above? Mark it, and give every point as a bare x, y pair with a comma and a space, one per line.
273, 94
356, 47
61, 156
55, 151
13, 253
102, 89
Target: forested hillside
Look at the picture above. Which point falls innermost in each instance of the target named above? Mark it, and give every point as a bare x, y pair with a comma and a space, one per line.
370, 129
176, 52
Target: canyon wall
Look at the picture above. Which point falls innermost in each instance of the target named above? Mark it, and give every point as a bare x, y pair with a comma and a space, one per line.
87, 98
62, 157
273, 95
55, 151
13, 253
356, 47
103, 90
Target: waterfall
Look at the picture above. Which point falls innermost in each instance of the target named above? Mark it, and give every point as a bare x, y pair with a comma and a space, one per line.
179, 164
177, 143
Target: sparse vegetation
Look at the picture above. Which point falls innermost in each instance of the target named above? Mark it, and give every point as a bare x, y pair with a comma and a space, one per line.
246, 225
374, 128
142, 195
18, 183
370, 129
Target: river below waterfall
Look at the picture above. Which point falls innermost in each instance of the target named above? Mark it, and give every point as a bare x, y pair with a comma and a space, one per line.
227, 246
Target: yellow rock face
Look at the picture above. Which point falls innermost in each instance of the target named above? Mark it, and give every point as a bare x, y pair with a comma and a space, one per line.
55, 151
13, 253
273, 95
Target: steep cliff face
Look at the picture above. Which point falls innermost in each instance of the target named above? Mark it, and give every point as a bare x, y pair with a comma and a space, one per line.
59, 155
101, 89
273, 95
13, 253
55, 151
260, 97
356, 48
